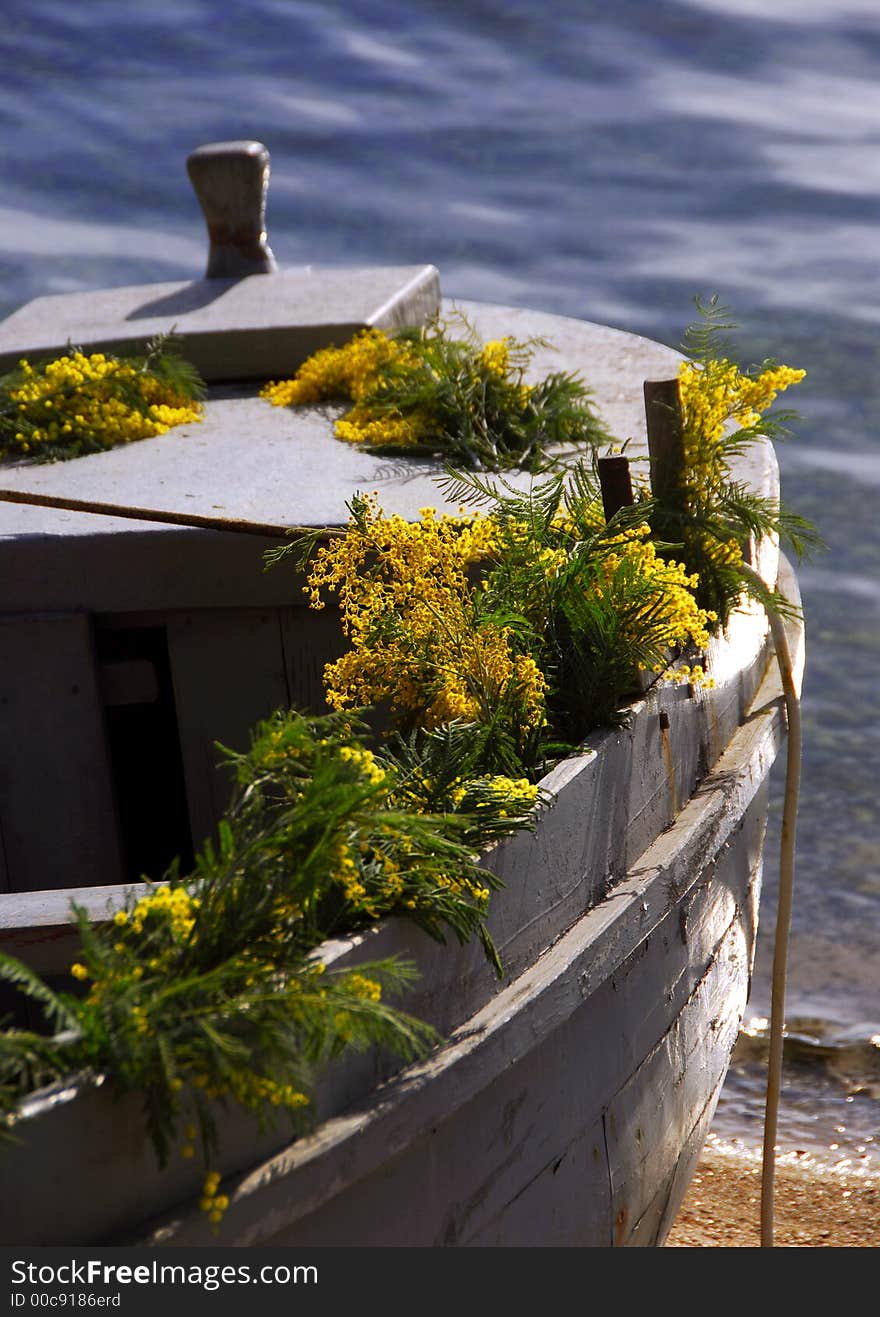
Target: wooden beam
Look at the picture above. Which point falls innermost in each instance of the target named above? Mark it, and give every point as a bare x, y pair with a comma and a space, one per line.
196, 520
616, 483
665, 438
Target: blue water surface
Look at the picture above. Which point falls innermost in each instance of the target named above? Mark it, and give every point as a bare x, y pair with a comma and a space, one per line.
601, 161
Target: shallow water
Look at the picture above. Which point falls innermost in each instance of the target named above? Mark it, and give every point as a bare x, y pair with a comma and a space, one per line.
605, 162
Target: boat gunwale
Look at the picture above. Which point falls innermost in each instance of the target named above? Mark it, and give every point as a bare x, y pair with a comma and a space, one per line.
619, 922
543, 996
472, 1040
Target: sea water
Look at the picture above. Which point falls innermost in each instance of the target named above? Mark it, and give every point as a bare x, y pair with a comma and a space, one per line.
601, 161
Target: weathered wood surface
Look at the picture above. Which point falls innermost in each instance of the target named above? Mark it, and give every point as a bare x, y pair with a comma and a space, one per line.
256, 327
36, 926
556, 1028
632, 982
252, 462
654, 1114
273, 657
249, 460
57, 813
229, 672
621, 943
310, 640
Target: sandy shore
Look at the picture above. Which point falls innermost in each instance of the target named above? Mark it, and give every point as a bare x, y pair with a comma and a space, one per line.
817, 1205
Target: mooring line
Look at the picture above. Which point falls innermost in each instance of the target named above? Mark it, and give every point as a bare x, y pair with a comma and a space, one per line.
783, 910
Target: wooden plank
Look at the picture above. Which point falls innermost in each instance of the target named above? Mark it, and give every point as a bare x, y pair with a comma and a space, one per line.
665, 439
656, 1220
310, 1173
50, 909
652, 1117
46, 950
550, 1020
566, 1205
540, 1175
85, 1125
570, 1001
36, 927
56, 794
227, 666
311, 639
587, 1059
675, 954
675, 1191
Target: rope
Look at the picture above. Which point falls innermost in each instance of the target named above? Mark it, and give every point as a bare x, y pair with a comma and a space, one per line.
783, 913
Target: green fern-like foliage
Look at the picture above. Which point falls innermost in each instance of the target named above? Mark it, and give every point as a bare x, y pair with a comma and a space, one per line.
478, 410
710, 519
163, 358
350, 840
593, 601
30, 1060
439, 390
79, 403
207, 992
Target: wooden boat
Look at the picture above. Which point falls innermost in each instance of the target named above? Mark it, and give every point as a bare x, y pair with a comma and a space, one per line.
569, 1102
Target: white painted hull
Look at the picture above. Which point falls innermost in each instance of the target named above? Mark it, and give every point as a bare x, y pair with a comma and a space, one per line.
571, 1100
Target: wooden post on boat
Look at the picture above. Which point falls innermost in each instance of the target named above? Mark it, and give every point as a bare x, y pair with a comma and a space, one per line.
616, 484
665, 427
231, 180
665, 438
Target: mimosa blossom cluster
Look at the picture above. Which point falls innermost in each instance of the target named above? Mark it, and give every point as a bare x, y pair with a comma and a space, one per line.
88, 403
